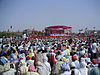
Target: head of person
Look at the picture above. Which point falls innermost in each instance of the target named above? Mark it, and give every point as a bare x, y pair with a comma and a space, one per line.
72, 65
74, 58
34, 51
98, 59
65, 66
12, 65
28, 58
94, 61
64, 59
45, 58
83, 64
85, 55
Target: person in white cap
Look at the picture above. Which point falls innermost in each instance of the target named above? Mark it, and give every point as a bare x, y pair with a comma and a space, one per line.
74, 71
23, 68
11, 70
40, 68
46, 65
66, 69
83, 69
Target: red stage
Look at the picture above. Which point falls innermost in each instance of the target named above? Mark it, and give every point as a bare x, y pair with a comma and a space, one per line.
55, 31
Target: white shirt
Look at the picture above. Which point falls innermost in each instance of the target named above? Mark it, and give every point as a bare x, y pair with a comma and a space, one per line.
94, 46
10, 72
84, 71
66, 73
77, 72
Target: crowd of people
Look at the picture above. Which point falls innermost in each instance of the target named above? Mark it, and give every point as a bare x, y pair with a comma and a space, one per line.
50, 57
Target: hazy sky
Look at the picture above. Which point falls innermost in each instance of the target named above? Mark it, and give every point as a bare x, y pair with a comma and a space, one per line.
38, 14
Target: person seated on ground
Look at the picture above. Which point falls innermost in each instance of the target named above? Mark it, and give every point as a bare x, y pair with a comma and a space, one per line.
76, 61
83, 69
66, 69
46, 65
29, 60
74, 70
95, 69
23, 69
10, 69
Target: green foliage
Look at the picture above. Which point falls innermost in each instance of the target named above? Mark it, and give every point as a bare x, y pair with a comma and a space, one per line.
40, 33
8, 34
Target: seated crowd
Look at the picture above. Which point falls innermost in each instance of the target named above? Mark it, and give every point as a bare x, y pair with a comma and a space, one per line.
50, 57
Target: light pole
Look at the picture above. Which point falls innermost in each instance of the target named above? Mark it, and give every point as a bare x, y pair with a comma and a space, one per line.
94, 31
86, 32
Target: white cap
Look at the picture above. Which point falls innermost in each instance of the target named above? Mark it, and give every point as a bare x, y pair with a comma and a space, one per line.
73, 64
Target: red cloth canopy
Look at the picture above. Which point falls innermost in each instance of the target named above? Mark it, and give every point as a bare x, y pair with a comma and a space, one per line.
56, 27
